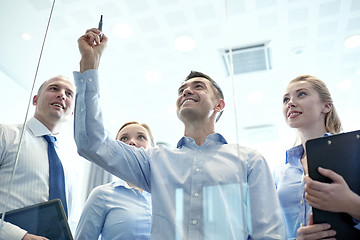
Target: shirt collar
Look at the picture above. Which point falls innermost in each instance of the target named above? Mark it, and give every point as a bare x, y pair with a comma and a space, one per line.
294, 154
215, 137
120, 183
37, 128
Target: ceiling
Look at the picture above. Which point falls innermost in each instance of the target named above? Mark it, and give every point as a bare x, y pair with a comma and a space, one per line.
304, 36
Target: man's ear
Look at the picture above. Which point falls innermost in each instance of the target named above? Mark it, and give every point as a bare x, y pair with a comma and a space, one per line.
35, 99
327, 108
220, 106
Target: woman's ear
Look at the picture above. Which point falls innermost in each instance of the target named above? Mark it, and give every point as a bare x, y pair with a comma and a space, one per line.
327, 108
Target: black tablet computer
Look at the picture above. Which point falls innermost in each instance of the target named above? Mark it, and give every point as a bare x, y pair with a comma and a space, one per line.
340, 153
45, 219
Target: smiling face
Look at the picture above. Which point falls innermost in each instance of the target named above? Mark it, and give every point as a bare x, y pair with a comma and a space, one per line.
55, 101
303, 108
135, 135
197, 99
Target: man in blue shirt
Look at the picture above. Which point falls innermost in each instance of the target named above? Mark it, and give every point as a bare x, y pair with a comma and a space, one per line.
203, 189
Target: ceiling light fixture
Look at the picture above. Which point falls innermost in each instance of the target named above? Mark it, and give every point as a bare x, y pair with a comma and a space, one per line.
352, 42
122, 30
184, 44
26, 36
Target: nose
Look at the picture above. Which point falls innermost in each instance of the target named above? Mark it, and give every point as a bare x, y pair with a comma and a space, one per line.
132, 143
61, 94
187, 91
290, 103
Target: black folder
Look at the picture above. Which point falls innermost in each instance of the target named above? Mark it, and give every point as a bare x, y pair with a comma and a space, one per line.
45, 219
340, 153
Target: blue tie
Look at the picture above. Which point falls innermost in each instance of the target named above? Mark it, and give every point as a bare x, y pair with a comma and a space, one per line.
56, 174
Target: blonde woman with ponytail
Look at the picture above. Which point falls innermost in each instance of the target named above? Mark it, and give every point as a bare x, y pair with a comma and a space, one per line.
308, 107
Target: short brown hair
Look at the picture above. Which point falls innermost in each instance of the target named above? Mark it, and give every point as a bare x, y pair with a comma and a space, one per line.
216, 87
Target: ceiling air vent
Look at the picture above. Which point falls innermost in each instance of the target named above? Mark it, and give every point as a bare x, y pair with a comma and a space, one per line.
248, 59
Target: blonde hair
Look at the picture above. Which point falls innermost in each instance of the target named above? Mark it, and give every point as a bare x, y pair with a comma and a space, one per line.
332, 120
152, 141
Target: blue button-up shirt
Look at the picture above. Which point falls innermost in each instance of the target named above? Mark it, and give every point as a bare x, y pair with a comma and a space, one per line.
116, 211
289, 180
213, 191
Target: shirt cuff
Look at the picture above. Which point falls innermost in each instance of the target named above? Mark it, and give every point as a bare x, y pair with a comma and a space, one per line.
87, 80
11, 231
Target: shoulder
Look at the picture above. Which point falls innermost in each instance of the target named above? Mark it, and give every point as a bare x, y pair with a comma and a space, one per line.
10, 128
9, 133
103, 189
247, 152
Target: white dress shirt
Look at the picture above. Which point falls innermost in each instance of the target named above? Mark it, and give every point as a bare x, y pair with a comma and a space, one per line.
31, 180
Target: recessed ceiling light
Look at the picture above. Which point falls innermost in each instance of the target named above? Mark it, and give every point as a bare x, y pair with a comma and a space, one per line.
26, 36
344, 85
352, 42
184, 44
152, 76
122, 30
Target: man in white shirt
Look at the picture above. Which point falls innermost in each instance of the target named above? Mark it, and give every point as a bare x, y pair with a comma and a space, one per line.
54, 104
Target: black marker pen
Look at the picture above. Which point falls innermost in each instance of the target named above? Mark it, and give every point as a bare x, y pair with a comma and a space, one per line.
100, 27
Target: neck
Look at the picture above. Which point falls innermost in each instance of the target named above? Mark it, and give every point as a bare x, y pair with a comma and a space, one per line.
199, 131
311, 133
53, 126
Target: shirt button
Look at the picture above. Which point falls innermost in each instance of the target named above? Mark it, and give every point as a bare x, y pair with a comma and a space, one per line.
82, 110
90, 79
196, 194
301, 202
197, 169
301, 224
194, 222
82, 80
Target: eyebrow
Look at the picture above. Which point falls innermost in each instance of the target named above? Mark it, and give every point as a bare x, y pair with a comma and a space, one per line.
58, 85
126, 134
192, 83
298, 90
142, 133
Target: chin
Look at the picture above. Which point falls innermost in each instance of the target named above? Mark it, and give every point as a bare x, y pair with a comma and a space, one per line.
293, 125
185, 114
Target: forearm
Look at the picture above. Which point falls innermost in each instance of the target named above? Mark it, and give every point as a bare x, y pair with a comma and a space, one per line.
353, 207
89, 62
10, 231
89, 132
93, 141
267, 218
